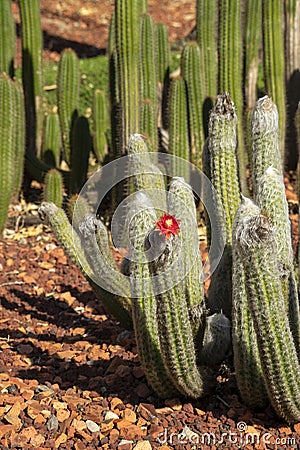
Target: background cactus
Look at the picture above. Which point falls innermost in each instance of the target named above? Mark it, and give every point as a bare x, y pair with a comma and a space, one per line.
99, 125
53, 190
7, 39
51, 142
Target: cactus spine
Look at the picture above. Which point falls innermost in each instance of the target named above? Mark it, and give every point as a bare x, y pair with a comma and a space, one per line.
99, 125
191, 71
68, 79
7, 38
274, 61
256, 245
32, 71
53, 190
51, 143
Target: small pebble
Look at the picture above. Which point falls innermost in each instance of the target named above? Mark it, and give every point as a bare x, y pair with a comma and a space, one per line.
92, 426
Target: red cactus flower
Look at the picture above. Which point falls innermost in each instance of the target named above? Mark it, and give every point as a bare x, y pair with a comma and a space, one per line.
168, 225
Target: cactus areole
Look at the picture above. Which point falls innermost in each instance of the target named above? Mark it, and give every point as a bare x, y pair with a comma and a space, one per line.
168, 225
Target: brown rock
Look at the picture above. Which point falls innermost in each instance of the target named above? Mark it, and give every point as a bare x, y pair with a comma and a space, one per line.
148, 412
61, 440
142, 445
115, 402
174, 403
142, 390
129, 415
37, 440
297, 427
85, 435
106, 426
62, 415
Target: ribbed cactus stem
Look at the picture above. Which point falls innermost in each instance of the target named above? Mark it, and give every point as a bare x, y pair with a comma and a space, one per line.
144, 302
231, 70
71, 243
248, 370
274, 61
206, 37
81, 145
7, 149
68, 80
53, 190
181, 204
162, 52
51, 141
148, 124
148, 71
7, 38
264, 136
146, 176
32, 71
19, 112
127, 41
178, 129
192, 72
253, 33
99, 125
256, 245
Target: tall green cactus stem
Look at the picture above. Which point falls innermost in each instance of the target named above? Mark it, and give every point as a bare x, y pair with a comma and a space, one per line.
175, 328
178, 128
81, 145
71, 243
148, 124
231, 71
68, 80
163, 69
248, 370
51, 141
274, 70
191, 71
253, 33
144, 302
53, 190
143, 7
264, 136
7, 150
32, 72
206, 37
99, 125
256, 244
146, 176
271, 199
7, 38
19, 112
148, 72
127, 41
181, 204
222, 143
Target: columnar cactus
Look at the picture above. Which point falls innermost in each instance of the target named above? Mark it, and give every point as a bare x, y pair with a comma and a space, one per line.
99, 125
68, 79
19, 113
81, 145
7, 39
148, 71
53, 190
51, 142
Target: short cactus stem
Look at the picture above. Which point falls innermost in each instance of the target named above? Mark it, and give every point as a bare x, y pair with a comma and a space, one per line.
53, 190
51, 141
256, 244
99, 125
81, 145
162, 52
148, 124
264, 136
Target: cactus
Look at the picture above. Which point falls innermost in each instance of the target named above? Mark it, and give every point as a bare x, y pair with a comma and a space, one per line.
32, 72
99, 125
206, 24
7, 39
8, 148
81, 145
148, 73
148, 124
274, 70
127, 40
178, 132
257, 247
19, 113
163, 69
68, 79
191, 71
51, 142
53, 190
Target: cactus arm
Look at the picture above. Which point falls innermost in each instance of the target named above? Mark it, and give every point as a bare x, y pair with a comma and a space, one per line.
71, 243
53, 190
7, 150
32, 71
127, 39
178, 131
51, 142
192, 73
253, 33
7, 38
206, 32
144, 302
274, 70
264, 136
256, 244
68, 79
99, 125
